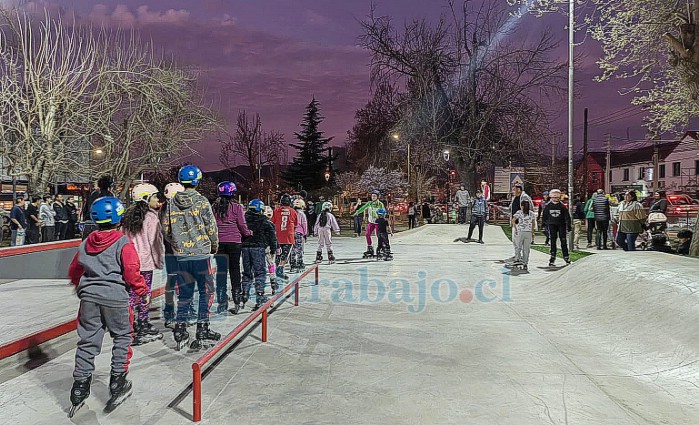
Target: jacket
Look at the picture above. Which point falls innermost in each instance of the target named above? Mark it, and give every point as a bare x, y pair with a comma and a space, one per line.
659, 206
370, 207
588, 210
302, 224
61, 212
463, 198
149, 243
523, 197
331, 224
105, 268
285, 220
263, 234
556, 214
189, 225
578, 213
47, 214
631, 217
479, 207
600, 207
232, 227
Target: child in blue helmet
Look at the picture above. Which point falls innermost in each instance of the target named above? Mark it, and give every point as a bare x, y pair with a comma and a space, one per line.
103, 270
254, 255
383, 246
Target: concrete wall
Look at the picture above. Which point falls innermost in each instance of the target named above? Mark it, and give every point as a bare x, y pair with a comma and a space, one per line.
49, 264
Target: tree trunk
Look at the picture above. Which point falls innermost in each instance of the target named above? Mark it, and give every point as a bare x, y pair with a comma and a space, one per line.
694, 247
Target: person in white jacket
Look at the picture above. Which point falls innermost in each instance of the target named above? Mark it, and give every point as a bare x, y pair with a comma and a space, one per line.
325, 225
47, 215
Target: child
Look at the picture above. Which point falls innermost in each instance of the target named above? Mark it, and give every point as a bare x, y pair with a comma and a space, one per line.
285, 220
271, 256
479, 215
253, 253
685, 239
383, 246
325, 225
370, 207
105, 265
523, 224
557, 220
142, 225
171, 287
296, 261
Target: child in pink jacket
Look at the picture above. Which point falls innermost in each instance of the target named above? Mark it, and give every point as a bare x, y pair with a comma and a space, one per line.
300, 235
141, 224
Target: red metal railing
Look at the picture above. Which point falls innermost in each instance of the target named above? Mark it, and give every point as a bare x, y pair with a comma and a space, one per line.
262, 311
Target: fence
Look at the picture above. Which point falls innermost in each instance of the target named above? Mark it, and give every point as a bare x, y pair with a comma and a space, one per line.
216, 349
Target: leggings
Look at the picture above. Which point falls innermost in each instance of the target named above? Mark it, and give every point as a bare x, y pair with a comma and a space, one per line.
370, 229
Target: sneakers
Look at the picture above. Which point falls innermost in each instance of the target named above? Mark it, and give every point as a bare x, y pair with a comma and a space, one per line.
567, 260
481, 242
552, 262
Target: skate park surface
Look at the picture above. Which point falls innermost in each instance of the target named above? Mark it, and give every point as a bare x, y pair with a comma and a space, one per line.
444, 334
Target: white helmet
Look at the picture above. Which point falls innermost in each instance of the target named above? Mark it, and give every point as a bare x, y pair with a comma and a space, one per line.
269, 212
143, 192
327, 206
298, 203
171, 189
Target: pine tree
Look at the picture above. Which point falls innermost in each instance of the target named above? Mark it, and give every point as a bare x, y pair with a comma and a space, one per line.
308, 168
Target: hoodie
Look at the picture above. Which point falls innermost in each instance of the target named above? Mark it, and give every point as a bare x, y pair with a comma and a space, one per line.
232, 227
263, 233
189, 225
302, 224
105, 268
47, 214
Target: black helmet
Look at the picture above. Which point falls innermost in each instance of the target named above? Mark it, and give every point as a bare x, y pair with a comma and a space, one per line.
285, 199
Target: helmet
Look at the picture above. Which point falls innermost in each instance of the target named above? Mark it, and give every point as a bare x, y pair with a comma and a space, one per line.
171, 189
143, 192
546, 193
190, 174
285, 199
269, 212
256, 205
376, 192
298, 203
107, 210
381, 212
226, 189
327, 206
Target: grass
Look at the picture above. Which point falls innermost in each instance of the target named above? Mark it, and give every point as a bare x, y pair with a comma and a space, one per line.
574, 255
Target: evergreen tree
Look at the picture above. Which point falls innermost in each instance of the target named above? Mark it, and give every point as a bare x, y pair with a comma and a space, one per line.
308, 168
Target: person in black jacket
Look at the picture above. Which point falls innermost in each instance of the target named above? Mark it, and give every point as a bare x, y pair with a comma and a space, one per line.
600, 206
105, 184
659, 204
61, 218
253, 252
557, 219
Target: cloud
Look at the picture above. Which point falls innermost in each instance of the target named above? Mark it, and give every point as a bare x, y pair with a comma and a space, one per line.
122, 15
315, 18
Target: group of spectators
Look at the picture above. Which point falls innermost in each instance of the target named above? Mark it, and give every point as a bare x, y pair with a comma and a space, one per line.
42, 219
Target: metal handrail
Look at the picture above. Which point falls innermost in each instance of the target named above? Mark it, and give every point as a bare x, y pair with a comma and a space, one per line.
216, 349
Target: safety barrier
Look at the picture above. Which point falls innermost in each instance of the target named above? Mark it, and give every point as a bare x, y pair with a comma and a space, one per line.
262, 311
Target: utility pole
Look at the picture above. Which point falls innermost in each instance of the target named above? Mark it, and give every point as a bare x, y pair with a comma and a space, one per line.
656, 161
571, 117
608, 165
585, 190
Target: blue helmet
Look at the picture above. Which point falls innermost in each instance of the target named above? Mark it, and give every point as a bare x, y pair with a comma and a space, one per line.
381, 212
190, 174
226, 189
376, 192
257, 205
107, 210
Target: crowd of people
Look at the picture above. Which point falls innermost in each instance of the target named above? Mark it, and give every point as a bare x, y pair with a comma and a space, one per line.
42, 219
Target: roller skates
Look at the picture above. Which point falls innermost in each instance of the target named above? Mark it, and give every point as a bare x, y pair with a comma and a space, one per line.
236, 305
319, 257
205, 337
144, 333
120, 389
78, 394
388, 255
181, 336
261, 300
369, 253
331, 257
274, 285
300, 267
516, 265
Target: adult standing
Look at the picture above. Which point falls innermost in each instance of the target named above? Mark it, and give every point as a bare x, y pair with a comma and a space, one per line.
426, 213
230, 219
412, 214
311, 213
600, 207
485, 188
359, 219
463, 200
590, 217
48, 217
105, 185
578, 219
18, 223
61, 218
630, 217
72, 212
33, 221
659, 204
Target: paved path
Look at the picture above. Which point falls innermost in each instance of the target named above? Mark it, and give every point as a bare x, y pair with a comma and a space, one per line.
441, 335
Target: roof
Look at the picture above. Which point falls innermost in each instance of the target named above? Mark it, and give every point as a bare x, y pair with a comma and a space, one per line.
634, 153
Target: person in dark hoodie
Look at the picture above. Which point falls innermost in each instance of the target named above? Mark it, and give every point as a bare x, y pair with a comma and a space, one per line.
254, 263
557, 219
105, 185
105, 267
190, 228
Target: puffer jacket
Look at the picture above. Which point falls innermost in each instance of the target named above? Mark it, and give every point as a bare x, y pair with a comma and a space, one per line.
600, 206
263, 232
189, 225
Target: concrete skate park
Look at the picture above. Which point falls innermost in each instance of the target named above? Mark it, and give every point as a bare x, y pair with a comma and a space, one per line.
444, 334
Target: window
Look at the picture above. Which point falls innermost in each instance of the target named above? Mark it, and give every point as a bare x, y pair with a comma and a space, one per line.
610, 176
641, 173
676, 169
626, 175
661, 171
696, 167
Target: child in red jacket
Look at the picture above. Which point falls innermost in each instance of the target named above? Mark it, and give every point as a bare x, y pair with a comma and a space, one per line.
103, 270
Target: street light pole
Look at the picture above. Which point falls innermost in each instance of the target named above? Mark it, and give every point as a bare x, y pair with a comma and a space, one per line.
571, 118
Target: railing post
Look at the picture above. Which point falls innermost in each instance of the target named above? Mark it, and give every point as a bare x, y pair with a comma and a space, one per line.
316, 274
296, 294
196, 392
264, 326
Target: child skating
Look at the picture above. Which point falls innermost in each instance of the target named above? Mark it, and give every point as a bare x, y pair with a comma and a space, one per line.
142, 225
523, 223
383, 246
254, 266
325, 225
285, 220
271, 255
105, 265
370, 207
296, 261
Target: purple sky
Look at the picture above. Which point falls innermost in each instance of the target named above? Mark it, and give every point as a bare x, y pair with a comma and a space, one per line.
271, 56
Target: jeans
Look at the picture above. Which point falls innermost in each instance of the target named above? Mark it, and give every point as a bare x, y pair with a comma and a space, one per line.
254, 269
558, 232
33, 235
48, 233
463, 211
476, 220
188, 274
228, 263
602, 233
626, 240
590, 229
17, 237
358, 221
412, 222
61, 228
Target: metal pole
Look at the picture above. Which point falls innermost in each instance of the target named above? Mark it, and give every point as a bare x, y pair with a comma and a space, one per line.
196, 392
571, 118
264, 325
408, 170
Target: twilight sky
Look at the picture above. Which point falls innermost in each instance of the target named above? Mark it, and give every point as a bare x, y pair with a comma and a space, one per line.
271, 56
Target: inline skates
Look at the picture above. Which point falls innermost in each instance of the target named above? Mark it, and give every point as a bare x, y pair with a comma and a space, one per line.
180, 335
331, 257
319, 257
369, 253
205, 337
120, 389
78, 394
